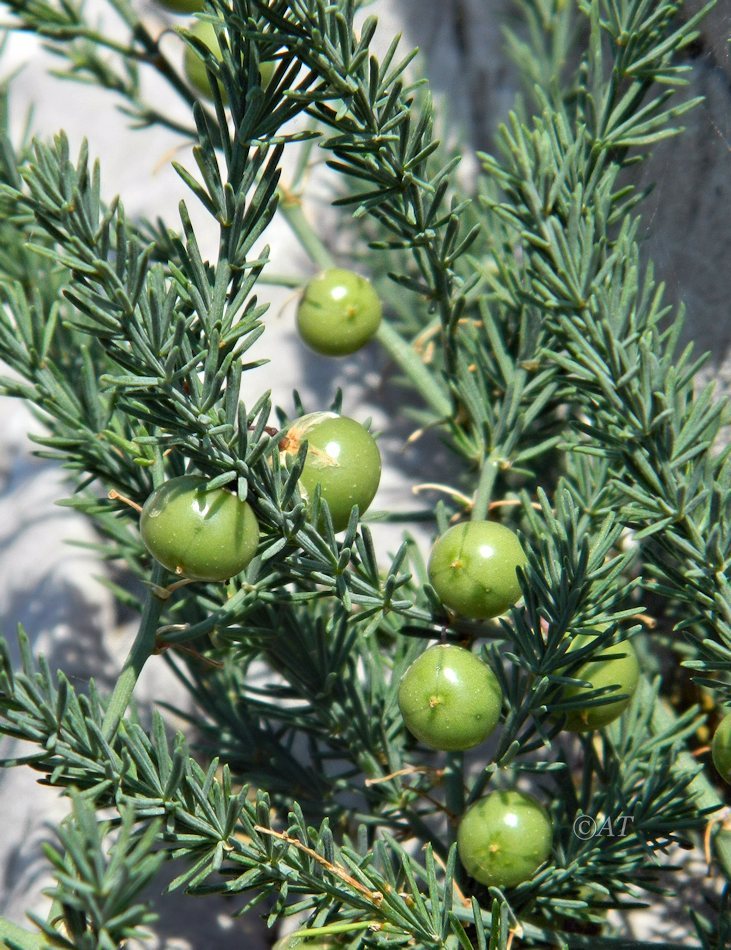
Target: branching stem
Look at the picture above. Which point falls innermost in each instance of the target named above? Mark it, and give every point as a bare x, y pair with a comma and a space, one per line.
485, 487
454, 791
142, 649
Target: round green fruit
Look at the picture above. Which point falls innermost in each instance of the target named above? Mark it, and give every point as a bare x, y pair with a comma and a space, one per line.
266, 71
203, 535
473, 568
193, 64
504, 838
618, 667
721, 748
182, 6
339, 312
195, 68
342, 459
449, 698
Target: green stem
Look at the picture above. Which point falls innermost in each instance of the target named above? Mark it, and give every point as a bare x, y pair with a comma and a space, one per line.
411, 364
454, 791
279, 280
483, 495
349, 927
55, 912
292, 212
142, 649
154, 55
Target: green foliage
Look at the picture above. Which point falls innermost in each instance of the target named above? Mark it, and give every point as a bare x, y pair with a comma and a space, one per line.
97, 898
540, 350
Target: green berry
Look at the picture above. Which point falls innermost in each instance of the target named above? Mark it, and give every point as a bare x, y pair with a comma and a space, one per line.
339, 312
194, 65
721, 748
617, 667
203, 535
342, 459
266, 72
473, 568
504, 838
449, 698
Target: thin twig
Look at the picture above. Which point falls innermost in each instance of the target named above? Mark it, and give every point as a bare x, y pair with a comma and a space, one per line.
374, 896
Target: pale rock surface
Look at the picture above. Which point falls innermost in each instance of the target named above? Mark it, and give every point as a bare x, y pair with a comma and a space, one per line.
49, 586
